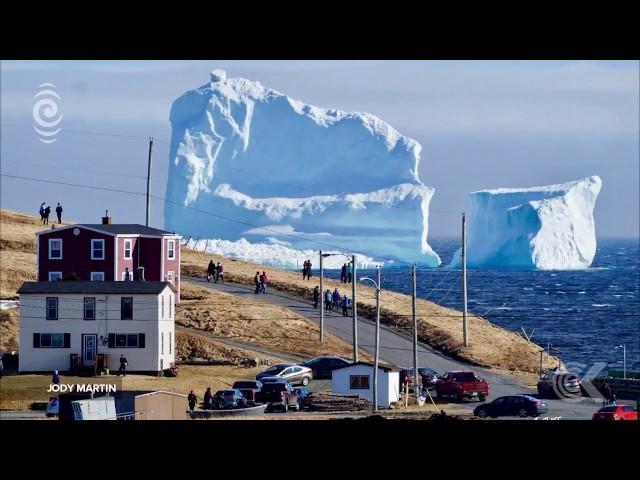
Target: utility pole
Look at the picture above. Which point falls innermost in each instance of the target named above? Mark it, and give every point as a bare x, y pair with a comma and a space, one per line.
465, 328
377, 351
321, 302
149, 179
415, 332
354, 309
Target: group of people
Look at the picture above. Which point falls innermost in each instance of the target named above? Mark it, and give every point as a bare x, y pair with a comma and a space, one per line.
332, 300
346, 273
215, 272
45, 211
260, 281
306, 269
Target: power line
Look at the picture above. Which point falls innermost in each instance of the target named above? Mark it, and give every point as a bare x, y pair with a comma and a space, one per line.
83, 132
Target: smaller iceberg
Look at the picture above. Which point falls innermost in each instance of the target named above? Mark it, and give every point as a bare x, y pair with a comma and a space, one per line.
545, 228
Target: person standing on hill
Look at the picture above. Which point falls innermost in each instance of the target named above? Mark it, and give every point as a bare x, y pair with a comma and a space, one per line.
345, 306
211, 270
309, 265
304, 269
263, 282
59, 212
349, 273
47, 212
316, 296
219, 272
42, 205
343, 274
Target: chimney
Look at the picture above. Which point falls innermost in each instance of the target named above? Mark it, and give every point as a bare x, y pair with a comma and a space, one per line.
106, 220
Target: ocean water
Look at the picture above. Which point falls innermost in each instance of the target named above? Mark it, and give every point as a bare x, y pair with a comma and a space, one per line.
582, 315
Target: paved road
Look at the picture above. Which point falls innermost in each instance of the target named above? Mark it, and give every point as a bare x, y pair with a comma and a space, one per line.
397, 349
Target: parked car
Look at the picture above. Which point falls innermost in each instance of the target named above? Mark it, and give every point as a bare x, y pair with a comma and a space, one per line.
304, 396
460, 384
322, 367
295, 374
616, 412
279, 395
428, 377
520, 405
248, 388
556, 384
229, 399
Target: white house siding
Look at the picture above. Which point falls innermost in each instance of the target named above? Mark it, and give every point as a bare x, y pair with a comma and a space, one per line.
388, 384
146, 319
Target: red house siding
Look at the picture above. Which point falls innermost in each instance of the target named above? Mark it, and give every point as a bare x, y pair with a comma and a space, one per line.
76, 254
172, 265
131, 263
149, 258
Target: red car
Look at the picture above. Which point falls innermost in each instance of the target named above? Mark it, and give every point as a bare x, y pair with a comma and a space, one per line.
458, 385
616, 412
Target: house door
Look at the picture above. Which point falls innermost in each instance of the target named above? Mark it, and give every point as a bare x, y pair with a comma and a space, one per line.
89, 345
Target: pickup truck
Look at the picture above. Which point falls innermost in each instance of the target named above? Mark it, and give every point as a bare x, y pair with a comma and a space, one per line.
458, 385
278, 394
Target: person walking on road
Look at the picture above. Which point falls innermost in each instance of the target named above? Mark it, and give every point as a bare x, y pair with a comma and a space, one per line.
606, 392
219, 272
316, 296
211, 270
263, 282
55, 379
256, 280
327, 300
336, 298
343, 274
123, 365
192, 399
59, 212
345, 306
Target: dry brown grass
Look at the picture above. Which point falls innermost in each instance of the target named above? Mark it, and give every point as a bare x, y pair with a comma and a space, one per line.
440, 327
229, 317
19, 391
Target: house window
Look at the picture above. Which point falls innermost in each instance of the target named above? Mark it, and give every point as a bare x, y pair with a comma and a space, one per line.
127, 249
161, 306
170, 342
126, 308
126, 340
51, 340
359, 382
97, 249
55, 276
171, 249
89, 308
97, 276
52, 308
55, 249
170, 307
162, 343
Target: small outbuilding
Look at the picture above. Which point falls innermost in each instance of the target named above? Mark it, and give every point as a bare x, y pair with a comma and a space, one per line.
357, 379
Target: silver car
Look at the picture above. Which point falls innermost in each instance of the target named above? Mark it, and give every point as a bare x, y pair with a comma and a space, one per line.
295, 374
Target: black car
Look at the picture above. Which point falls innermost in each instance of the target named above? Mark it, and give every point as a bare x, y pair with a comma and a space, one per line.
323, 366
229, 399
428, 377
510, 406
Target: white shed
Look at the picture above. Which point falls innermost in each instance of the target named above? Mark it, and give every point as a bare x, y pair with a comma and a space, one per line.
357, 379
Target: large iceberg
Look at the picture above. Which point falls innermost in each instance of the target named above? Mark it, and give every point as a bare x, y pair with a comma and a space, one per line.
274, 170
546, 228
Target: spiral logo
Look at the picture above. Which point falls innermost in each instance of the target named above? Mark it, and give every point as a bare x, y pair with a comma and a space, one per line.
46, 113
575, 383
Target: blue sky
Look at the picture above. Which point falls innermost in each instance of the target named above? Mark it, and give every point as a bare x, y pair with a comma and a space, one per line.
481, 124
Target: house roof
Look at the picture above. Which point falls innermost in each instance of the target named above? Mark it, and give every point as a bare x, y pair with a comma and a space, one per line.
382, 366
72, 286
114, 229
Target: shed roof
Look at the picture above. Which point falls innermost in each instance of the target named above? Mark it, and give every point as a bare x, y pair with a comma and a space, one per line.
383, 366
73, 286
